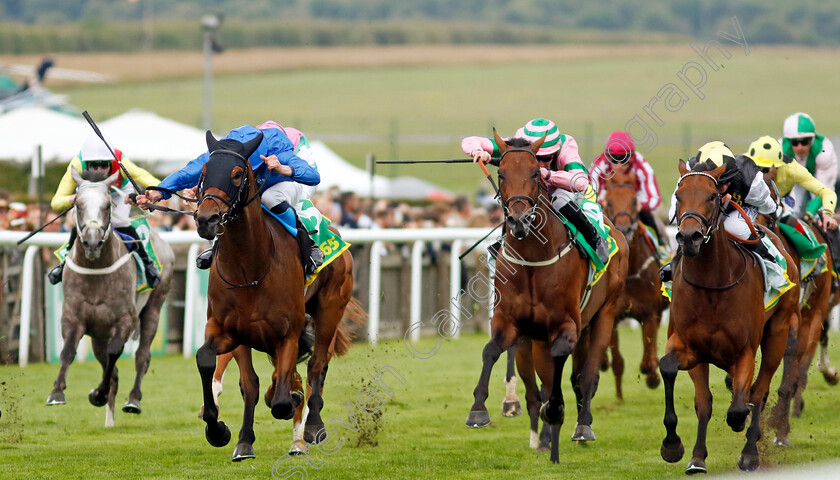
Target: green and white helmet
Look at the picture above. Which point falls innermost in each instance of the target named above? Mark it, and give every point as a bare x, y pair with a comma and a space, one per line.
799, 125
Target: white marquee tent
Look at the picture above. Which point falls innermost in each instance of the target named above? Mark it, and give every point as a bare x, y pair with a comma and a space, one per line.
23, 129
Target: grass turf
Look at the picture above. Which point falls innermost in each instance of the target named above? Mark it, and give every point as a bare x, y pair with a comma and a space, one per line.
420, 434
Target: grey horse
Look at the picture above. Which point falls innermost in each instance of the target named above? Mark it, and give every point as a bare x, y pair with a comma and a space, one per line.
100, 299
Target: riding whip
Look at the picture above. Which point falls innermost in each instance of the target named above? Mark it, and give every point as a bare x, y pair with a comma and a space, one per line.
61, 214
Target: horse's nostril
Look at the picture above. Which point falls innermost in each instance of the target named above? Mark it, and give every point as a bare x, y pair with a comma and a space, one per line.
696, 237
680, 238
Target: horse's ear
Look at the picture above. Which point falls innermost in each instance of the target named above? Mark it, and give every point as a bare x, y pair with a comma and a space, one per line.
77, 177
252, 145
718, 171
110, 180
682, 167
499, 142
211, 141
535, 147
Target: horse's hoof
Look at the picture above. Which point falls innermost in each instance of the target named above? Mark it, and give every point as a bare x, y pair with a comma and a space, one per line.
583, 433
672, 453
831, 376
283, 410
652, 381
748, 462
478, 419
695, 466
96, 400
552, 418
315, 433
243, 451
544, 448
132, 406
511, 409
781, 441
299, 448
221, 438
56, 399
737, 418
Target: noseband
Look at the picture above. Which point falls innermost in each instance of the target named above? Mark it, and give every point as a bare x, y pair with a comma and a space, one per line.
709, 225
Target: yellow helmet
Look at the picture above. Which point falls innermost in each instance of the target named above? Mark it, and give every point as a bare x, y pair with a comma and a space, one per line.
716, 152
766, 152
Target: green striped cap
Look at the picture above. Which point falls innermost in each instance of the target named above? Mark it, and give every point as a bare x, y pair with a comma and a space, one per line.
536, 128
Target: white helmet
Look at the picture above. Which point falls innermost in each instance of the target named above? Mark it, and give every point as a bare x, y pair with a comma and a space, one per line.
799, 125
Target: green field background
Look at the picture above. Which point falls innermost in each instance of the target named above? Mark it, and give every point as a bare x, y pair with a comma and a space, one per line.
428, 109
421, 433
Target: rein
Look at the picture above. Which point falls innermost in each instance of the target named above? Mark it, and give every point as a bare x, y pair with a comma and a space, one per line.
248, 284
724, 287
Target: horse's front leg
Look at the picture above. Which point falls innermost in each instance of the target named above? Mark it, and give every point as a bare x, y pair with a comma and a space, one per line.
677, 357
585, 368
703, 408
119, 334
824, 364
222, 362
249, 384
742, 374
283, 403
73, 331
100, 351
149, 317
510, 405
298, 422
533, 396
216, 432
504, 336
650, 331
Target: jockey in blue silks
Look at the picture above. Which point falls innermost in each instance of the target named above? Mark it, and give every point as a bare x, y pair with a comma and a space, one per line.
276, 167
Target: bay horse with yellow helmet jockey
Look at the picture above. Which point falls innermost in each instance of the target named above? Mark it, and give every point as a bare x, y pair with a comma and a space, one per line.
718, 314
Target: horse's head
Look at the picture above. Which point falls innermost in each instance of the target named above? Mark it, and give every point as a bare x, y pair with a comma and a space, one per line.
698, 207
519, 183
620, 202
225, 182
93, 211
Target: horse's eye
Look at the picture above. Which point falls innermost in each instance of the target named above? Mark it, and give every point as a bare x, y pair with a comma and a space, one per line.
711, 198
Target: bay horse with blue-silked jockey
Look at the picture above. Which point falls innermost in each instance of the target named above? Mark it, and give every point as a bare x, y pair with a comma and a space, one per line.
541, 282
256, 301
642, 298
718, 317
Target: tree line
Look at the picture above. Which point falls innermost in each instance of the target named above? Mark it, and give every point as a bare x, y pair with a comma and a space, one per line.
31, 26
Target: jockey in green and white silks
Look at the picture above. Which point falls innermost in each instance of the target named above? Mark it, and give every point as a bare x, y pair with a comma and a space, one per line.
814, 152
564, 174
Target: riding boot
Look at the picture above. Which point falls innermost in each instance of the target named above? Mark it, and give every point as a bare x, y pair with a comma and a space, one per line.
149, 267
311, 256
54, 275
572, 212
666, 273
662, 252
761, 249
205, 259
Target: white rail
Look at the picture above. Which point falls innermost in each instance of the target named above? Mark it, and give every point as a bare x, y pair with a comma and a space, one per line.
377, 238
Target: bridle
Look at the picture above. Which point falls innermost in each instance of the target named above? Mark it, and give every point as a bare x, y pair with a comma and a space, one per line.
83, 227
529, 201
236, 203
710, 225
634, 217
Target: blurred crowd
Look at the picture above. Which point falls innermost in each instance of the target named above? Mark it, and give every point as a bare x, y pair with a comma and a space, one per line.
344, 209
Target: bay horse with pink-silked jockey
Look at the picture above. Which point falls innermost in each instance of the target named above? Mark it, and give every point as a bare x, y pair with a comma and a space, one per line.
541, 282
718, 317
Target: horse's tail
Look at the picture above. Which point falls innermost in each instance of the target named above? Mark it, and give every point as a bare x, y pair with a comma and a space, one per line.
354, 315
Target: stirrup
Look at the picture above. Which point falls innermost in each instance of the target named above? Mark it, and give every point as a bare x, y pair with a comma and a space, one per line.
54, 275
204, 259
